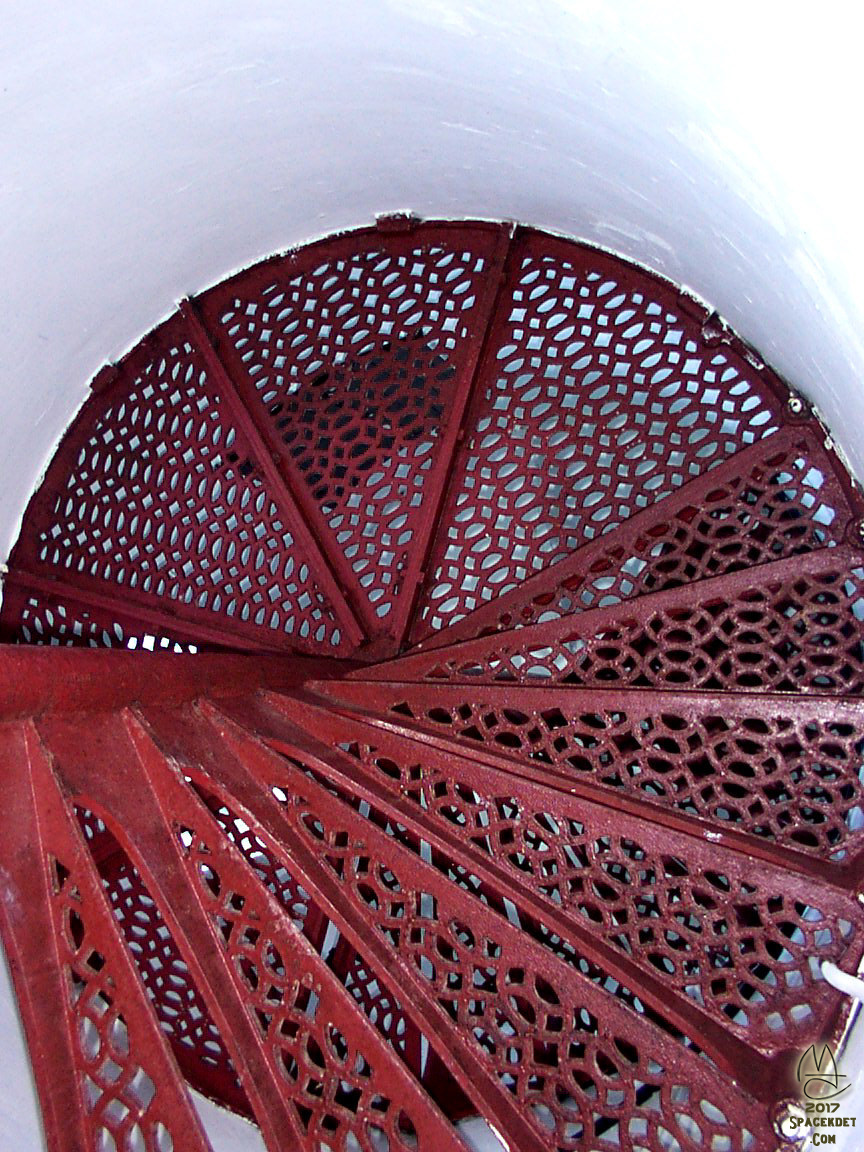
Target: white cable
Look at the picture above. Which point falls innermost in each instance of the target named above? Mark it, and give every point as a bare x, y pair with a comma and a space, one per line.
842, 981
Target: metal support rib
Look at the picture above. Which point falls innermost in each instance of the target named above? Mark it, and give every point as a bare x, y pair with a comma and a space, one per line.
45, 681
355, 782
452, 439
244, 409
251, 779
380, 704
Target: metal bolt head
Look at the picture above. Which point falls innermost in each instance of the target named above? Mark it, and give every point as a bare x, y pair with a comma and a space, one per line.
795, 404
789, 1120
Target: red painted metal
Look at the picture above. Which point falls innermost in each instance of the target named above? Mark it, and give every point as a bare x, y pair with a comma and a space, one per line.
602, 393
539, 1016
355, 358
47, 612
571, 862
83, 1006
155, 498
794, 625
277, 1005
525, 840
268, 462
774, 499
782, 769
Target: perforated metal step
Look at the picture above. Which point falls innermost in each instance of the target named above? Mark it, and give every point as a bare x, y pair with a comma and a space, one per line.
492, 741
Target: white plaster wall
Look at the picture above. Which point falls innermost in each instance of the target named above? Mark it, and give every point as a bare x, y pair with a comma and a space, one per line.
146, 150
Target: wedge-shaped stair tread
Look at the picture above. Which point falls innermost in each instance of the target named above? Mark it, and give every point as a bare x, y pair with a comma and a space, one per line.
158, 502
781, 497
358, 364
778, 768
600, 395
790, 626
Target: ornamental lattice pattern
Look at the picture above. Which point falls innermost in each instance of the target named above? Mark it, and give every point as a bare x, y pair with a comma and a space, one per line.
434, 695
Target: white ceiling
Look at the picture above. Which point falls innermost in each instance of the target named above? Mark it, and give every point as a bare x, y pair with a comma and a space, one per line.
147, 150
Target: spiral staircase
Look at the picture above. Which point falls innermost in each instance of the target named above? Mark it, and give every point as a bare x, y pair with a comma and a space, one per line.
466, 718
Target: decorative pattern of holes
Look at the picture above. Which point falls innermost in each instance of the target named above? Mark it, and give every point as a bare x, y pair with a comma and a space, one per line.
356, 363
789, 777
601, 405
584, 1067
785, 504
380, 1005
740, 948
165, 500
272, 873
771, 633
182, 1013
376, 1002
460, 873
60, 622
121, 1103
602, 401
340, 1098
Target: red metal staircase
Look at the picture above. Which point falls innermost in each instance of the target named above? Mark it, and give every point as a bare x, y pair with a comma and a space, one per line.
482, 727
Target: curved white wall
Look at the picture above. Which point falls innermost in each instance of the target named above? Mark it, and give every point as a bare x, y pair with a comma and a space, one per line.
148, 150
